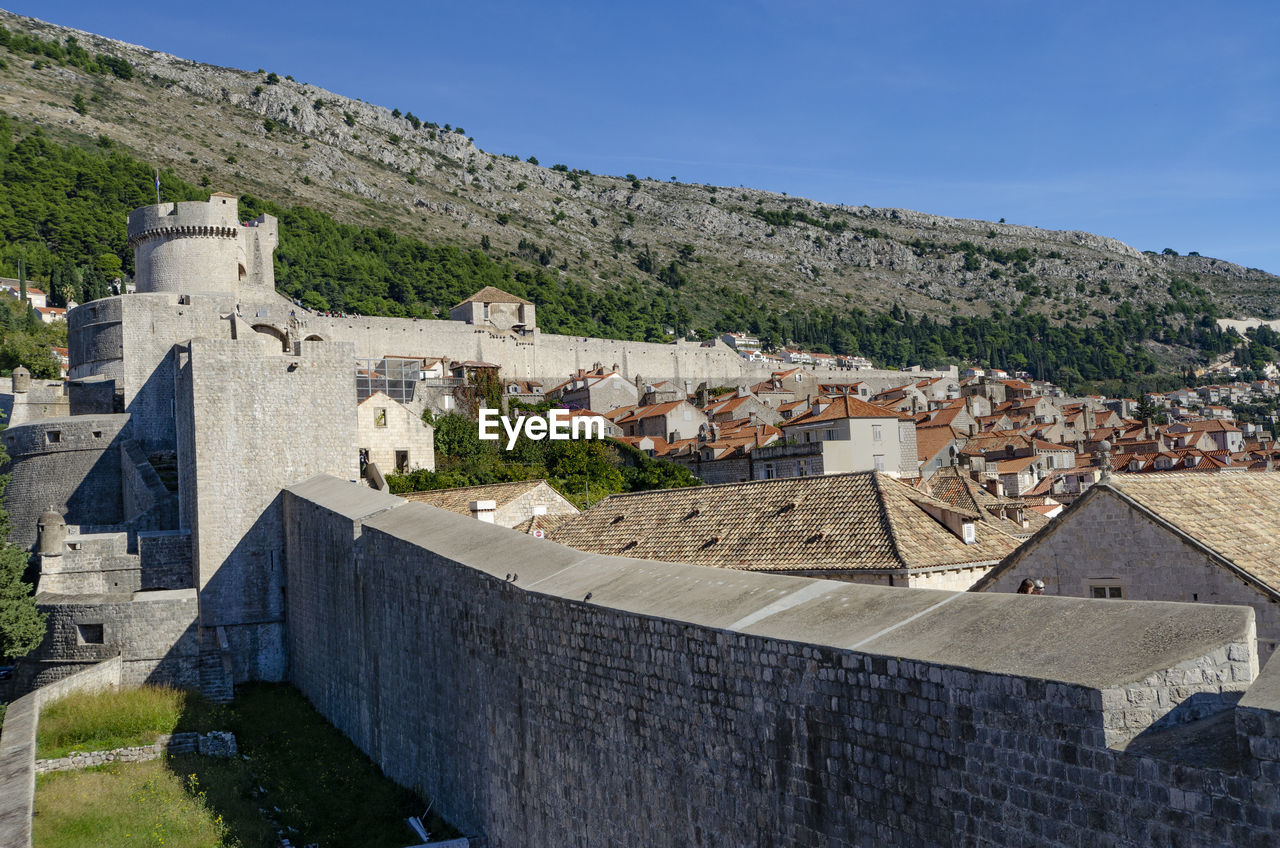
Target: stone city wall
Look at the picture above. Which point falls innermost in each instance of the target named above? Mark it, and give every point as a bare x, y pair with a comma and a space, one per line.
18, 747
591, 700
147, 503
70, 464
153, 633
129, 339
166, 559
91, 564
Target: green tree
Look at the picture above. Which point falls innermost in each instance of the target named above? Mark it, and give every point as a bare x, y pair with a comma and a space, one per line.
21, 624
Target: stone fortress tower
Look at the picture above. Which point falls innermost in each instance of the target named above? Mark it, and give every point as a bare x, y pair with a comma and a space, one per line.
194, 246
192, 403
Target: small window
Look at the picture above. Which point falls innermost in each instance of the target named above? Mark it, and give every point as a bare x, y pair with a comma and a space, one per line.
89, 634
402, 461
877, 432
879, 461
53, 437
1106, 591
97, 434
380, 418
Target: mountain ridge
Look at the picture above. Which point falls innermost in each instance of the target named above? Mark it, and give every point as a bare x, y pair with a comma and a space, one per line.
295, 143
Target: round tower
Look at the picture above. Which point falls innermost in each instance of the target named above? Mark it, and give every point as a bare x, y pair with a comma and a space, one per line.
190, 246
21, 380
51, 532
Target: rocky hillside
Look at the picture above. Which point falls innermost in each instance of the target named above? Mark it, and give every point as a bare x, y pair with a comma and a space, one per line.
266, 134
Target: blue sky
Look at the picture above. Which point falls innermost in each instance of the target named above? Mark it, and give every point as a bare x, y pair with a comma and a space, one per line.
1155, 123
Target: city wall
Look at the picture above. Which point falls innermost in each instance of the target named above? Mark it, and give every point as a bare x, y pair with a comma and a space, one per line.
153, 633
18, 747
71, 465
545, 697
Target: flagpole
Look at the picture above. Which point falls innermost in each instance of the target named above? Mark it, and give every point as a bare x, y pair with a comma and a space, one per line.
157, 186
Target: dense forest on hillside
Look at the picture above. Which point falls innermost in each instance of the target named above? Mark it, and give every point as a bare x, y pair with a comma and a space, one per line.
63, 211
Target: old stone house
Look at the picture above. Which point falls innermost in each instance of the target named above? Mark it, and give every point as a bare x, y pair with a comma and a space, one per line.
597, 390
937, 448
673, 420
392, 437
839, 435
495, 308
740, 404
1200, 538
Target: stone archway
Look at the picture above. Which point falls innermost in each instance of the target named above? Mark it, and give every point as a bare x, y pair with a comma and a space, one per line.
276, 333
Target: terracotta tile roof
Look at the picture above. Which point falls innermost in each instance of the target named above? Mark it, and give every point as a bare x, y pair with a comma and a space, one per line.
940, 417
459, 500
1215, 424
638, 413
841, 522
1041, 444
844, 406
545, 523
618, 414
489, 294
726, 404
955, 487
931, 440
1014, 466
1236, 515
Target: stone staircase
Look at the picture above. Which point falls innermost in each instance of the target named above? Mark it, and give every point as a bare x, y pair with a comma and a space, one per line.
215, 676
217, 683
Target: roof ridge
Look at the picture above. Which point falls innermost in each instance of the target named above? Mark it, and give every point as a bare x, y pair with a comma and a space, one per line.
886, 523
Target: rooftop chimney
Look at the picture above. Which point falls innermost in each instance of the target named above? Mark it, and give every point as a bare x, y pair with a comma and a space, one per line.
484, 510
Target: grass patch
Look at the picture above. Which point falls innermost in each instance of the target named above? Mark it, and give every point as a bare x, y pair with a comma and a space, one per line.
296, 774
129, 804
101, 721
324, 786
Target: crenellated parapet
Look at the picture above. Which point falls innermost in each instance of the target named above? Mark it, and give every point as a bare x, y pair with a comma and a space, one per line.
182, 231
